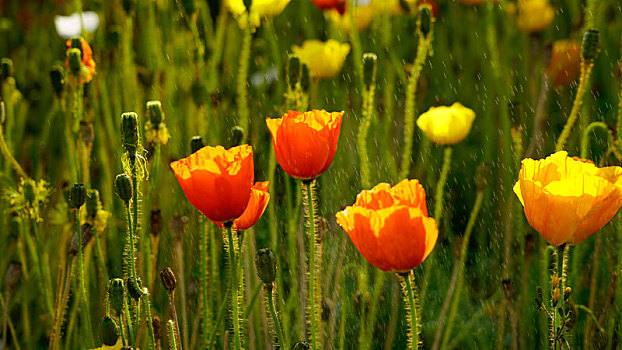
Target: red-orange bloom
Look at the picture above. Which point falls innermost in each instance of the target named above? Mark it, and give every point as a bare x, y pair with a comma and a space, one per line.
86, 74
305, 143
256, 206
390, 226
217, 181
339, 5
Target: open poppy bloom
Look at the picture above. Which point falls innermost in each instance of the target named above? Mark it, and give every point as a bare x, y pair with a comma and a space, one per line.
390, 226
565, 62
256, 206
217, 181
568, 199
305, 143
339, 5
324, 58
88, 64
446, 125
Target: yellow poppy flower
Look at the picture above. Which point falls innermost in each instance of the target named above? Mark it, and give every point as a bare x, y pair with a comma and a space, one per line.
259, 9
568, 199
363, 16
324, 59
446, 125
534, 15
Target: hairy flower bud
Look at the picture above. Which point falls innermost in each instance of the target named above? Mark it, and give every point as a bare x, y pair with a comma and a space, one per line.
168, 279
129, 132
293, 71
116, 293
265, 262
155, 113
590, 45
369, 68
134, 289
196, 143
77, 196
425, 19
75, 60
123, 186
108, 331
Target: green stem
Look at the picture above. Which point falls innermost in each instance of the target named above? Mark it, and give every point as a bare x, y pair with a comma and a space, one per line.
411, 309
176, 333
275, 317
206, 303
314, 291
37, 255
440, 185
128, 320
171, 332
368, 107
585, 140
234, 288
131, 246
242, 88
85, 308
586, 69
152, 341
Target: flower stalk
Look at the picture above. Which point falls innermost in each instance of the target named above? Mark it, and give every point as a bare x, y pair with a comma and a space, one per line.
313, 253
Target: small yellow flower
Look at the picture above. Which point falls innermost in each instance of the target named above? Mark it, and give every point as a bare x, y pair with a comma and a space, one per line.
260, 9
363, 16
534, 15
446, 125
324, 59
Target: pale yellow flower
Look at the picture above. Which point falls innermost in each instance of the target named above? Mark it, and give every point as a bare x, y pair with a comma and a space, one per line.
260, 9
534, 15
363, 16
446, 125
324, 59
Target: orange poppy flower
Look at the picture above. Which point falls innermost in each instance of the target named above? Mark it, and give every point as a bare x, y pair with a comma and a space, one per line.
305, 143
339, 5
86, 74
256, 206
390, 226
217, 181
565, 62
568, 199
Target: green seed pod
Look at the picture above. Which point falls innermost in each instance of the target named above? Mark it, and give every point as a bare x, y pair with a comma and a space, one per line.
75, 61
248, 4
13, 274
301, 345
123, 185
369, 68
116, 293
57, 77
133, 290
265, 262
483, 174
196, 143
425, 19
156, 223
108, 331
293, 71
155, 113
28, 188
129, 132
591, 45
237, 135
6, 68
168, 279
92, 202
77, 196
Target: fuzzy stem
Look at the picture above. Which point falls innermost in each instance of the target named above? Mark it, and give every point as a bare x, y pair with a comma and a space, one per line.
314, 292
440, 185
234, 288
203, 278
131, 245
61, 307
275, 317
145, 297
128, 320
411, 309
171, 331
176, 333
242, 86
586, 69
368, 107
85, 308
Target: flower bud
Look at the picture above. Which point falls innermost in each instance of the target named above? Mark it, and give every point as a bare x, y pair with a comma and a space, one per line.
369, 68
305, 80
75, 60
156, 222
123, 185
92, 202
293, 71
425, 19
157, 327
196, 143
77, 196
265, 262
116, 293
108, 331
168, 279
28, 188
76, 43
13, 274
567, 293
301, 345
237, 135
57, 77
6, 68
155, 113
133, 290
129, 132
590, 45
86, 231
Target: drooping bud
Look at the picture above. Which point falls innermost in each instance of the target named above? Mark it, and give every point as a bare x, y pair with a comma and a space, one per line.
196, 143
265, 262
129, 132
168, 279
133, 290
237, 135
426, 19
301, 345
13, 274
6, 68
86, 231
116, 293
155, 113
293, 71
123, 185
92, 202
77, 196
57, 77
369, 68
75, 60
156, 223
108, 331
591, 45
